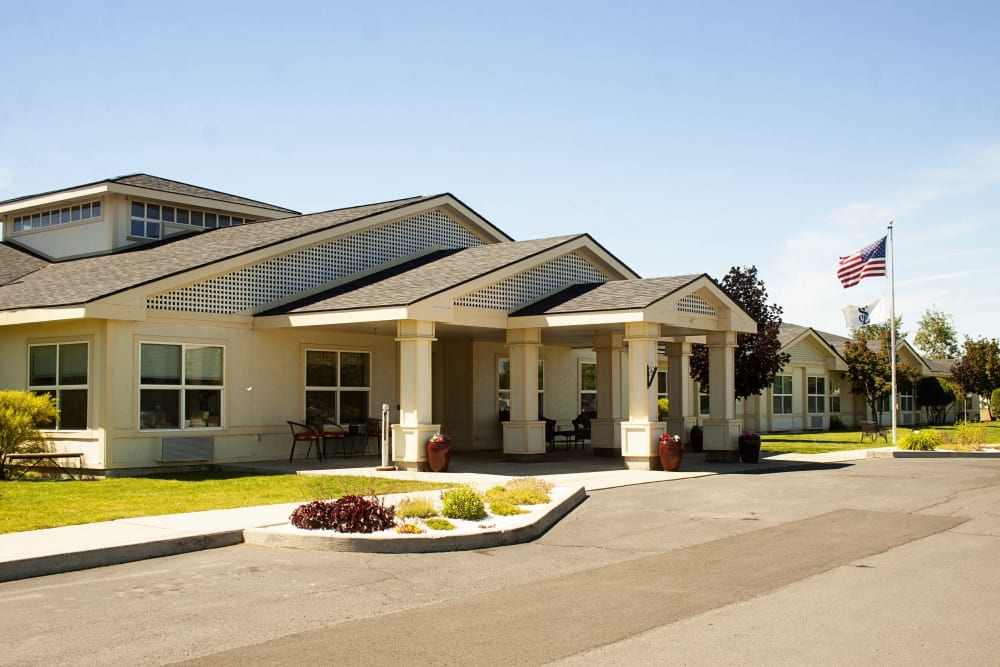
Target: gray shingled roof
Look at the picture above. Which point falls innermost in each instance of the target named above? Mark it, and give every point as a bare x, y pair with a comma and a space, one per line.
84, 280
418, 280
15, 263
612, 295
166, 185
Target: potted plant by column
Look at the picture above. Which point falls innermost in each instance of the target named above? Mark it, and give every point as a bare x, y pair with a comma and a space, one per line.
697, 439
438, 453
670, 450
749, 444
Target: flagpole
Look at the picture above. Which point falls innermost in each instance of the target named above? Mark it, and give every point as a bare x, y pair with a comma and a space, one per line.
892, 326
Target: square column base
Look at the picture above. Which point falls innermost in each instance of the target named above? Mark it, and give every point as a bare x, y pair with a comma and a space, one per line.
681, 426
523, 438
606, 436
722, 440
409, 445
639, 442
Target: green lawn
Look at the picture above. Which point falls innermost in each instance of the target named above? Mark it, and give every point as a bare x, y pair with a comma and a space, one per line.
819, 442
34, 504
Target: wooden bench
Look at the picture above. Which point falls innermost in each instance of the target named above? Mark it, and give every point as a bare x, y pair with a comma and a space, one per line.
9, 462
873, 431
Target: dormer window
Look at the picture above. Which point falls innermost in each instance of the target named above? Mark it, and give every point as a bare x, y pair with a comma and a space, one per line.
148, 219
57, 216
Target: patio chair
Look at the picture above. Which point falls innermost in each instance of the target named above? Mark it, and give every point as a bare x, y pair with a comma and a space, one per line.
582, 427
303, 433
373, 431
331, 432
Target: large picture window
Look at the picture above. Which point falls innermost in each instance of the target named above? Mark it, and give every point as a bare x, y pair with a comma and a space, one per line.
503, 386
816, 395
338, 384
180, 386
588, 386
61, 369
781, 395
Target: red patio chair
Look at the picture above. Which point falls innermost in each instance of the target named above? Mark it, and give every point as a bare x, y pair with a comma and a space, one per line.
303, 433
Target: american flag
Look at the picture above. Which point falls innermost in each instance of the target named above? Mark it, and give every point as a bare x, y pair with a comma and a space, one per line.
869, 261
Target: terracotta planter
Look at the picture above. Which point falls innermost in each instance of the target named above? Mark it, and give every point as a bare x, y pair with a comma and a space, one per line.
697, 439
438, 453
749, 447
670, 450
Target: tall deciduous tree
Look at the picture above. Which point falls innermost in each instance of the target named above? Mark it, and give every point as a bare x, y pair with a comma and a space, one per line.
978, 370
879, 330
870, 371
758, 356
934, 395
936, 335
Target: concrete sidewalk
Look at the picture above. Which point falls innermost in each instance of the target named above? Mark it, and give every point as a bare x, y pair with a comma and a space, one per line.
54, 550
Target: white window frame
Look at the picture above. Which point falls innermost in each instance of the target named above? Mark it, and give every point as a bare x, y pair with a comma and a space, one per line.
184, 423
503, 393
813, 397
337, 388
57, 388
64, 215
169, 215
583, 390
785, 397
835, 393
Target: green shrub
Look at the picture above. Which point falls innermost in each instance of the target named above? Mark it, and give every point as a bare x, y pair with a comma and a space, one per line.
923, 440
437, 523
347, 514
994, 403
21, 415
970, 435
463, 502
837, 424
415, 508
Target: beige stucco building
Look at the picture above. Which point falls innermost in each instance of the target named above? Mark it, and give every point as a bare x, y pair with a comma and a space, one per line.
178, 325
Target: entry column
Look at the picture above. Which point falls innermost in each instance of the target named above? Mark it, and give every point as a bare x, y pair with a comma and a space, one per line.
682, 415
410, 436
524, 434
605, 430
640, 434
722, 429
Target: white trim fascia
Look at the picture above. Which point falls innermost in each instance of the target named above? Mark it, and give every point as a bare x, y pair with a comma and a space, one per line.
53, 197
331, 318
474, 220
36, 315
574, 319
114, 311
187, 317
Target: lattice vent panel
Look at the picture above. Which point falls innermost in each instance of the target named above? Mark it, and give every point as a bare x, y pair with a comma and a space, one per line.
692, 303
312, 267
516, 291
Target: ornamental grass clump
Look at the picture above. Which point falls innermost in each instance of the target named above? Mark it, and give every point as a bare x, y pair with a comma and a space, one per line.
923, 440
463, 502
969, 435
407, 528
415, 508
503, 507
348, 514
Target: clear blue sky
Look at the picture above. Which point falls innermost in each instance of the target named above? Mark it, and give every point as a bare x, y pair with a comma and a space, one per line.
685, 137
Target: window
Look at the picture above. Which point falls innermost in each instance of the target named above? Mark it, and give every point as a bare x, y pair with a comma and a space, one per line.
180, 386
781, 395
57, 216
704, 402
816, 395
834, 395
338, 384
588, 386
661, 385
60, 369
503, 385
905, 399
148, 219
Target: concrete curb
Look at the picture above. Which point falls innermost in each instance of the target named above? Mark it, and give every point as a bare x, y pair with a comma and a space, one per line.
26, 568
292, 538
916, 454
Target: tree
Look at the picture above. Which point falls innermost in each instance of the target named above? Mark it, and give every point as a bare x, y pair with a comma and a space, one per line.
934, 395
870, 372
978, 370
936, 336
21, 413
758, 357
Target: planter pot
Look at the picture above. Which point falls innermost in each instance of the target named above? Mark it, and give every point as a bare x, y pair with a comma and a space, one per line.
697, 439
438, 453
670, 451
749, 447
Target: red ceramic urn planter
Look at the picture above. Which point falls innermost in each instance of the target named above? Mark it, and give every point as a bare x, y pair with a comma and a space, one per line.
438, 453
670, 451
